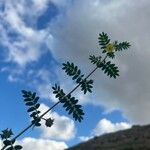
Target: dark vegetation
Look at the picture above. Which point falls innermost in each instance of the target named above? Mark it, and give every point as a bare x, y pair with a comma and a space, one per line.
136, 138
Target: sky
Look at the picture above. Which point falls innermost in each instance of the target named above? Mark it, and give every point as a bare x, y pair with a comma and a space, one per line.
37, 36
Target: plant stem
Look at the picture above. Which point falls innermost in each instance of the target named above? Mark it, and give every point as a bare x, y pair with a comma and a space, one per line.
28, 127
73, 89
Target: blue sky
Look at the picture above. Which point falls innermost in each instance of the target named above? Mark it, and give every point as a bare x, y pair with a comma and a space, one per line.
37, 36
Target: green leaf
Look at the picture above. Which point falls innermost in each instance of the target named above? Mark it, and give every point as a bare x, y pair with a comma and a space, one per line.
37, 106
17, 147
78, 106
80, 78
62, 100
29, 103
7, 142
33, 95
7, 133
122, 45
31, 109
111, 55
34, 114
36, 121
95, 60
27, 99
37, 124
73, 100
69, 107
103, 40
66, 104
24, 92
86, 85
29, 93
59, 93
70, 103
110, 69
36, 100
70, 111
73, 71
31, 100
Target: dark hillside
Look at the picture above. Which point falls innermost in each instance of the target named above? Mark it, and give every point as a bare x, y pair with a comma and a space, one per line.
136, 138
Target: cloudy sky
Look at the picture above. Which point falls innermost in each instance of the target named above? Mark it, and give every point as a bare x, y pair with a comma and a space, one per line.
37, 36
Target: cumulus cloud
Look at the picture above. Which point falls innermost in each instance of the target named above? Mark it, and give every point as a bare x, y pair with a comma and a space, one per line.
43, 81
1, 144
62, 129
85, 138
75, 37
51, 138
22, 41
40, 144
40, 4
105, 126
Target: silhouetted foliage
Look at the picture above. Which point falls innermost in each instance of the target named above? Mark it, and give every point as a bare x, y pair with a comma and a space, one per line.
70, 103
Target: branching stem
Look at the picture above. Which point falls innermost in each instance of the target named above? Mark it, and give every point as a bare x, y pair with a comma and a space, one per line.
40, 117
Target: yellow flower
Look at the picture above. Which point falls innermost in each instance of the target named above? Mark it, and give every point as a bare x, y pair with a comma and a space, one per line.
110, 48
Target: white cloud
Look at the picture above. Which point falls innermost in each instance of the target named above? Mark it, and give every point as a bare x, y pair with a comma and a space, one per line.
43, 81
12, 78
40, 4
40, 144
13, 75
1, 143
45, 91
25, 46
51, 138
62, 129
106, 126
75, 37
85, 138
23, 57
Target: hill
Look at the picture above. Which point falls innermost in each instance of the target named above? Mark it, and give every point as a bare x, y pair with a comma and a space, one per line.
136, 138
